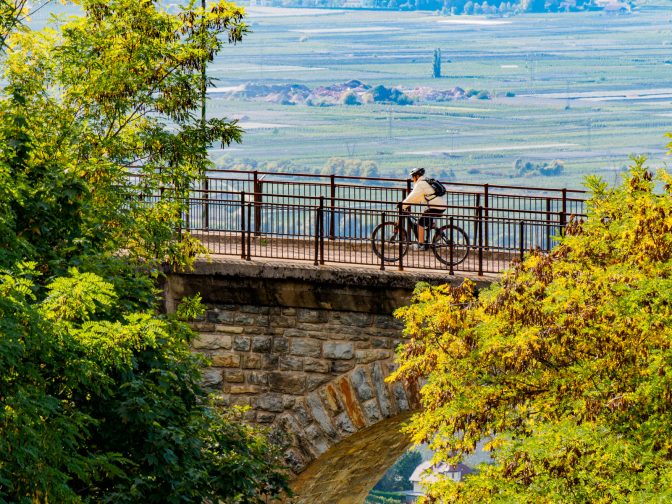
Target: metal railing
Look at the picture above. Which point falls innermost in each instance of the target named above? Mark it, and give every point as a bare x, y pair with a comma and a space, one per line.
330, 218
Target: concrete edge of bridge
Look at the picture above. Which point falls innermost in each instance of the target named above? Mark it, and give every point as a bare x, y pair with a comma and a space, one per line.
361, 274
291, 284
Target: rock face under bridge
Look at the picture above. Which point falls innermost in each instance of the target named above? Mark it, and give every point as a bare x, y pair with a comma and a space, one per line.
308, 350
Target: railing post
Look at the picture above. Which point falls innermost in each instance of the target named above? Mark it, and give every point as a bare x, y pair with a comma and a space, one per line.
187, 214
522, 240
563, 216
332, 215
480, 241
178, 194
206, 204
249, 232
242, 225
451, 245
316, 234
401, 242
479, 210
321, 218
382, 241
548, 224
257, 188
486, 203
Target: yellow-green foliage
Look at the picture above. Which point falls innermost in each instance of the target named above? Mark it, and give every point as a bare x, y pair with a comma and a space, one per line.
563, 367
100, 395
93, 97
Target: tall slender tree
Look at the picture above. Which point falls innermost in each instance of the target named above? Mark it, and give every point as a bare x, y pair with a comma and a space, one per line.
436, 64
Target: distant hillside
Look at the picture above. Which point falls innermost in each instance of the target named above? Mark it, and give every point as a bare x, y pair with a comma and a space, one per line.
461, 6
353, 92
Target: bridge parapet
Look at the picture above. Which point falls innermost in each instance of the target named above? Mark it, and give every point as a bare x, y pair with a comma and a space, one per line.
308, 349
357, 220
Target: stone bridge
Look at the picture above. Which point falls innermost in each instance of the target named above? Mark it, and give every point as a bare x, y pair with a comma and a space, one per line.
308, 350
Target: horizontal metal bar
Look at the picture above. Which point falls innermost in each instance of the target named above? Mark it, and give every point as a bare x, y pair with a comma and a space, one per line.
327, 179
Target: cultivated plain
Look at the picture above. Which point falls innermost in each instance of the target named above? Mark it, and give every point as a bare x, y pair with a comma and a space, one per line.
586, 88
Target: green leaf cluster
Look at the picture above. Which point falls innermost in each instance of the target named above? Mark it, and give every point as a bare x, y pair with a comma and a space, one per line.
563, 367
111, 410
93, 98
100, 396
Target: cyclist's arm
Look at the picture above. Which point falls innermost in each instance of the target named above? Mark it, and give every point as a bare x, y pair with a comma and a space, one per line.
416, 196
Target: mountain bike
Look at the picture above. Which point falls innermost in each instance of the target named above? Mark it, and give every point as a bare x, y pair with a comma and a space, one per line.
450, 244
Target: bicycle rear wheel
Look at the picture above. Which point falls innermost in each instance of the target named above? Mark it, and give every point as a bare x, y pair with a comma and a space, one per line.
391, 234
441, 245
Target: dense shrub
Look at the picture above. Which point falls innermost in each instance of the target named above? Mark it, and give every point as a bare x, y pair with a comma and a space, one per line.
100, 396
562, 367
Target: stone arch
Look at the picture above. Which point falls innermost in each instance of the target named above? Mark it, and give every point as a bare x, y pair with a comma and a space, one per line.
347, 471
307, 350
349, 404
316, 376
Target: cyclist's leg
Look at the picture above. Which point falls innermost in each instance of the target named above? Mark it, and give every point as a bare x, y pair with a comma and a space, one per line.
425, 222
438, 212
414, 228
408, 224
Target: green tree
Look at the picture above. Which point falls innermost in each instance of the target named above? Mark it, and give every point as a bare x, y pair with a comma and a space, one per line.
334, 165
397, 477
353, 167
13, 13
533, 5
104, 405
349, 98
552, 169
436, 64
99, 395
106, 88
380, 93
370, 169
563, 367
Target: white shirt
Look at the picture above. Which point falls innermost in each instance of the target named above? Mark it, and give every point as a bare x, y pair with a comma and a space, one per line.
423, 192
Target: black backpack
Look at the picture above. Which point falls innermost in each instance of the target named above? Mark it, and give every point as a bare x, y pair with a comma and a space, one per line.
439, 190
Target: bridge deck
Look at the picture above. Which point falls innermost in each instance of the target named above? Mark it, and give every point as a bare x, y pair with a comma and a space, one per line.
353, 253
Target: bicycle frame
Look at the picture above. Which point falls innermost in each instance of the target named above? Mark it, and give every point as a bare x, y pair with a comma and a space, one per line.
413, 226
450, 244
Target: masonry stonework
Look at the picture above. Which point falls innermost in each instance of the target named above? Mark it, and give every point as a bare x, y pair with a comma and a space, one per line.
307, 350
319, 375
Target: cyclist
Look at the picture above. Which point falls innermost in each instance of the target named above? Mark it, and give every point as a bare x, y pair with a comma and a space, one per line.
423, 192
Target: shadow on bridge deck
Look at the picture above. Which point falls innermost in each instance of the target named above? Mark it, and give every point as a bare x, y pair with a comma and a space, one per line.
353, 253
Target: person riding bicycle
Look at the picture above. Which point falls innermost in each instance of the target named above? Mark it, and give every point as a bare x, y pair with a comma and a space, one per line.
423, 192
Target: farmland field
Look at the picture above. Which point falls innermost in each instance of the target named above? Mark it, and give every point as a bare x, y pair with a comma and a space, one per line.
587, 88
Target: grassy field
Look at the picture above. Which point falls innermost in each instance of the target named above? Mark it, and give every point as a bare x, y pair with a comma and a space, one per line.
590, 89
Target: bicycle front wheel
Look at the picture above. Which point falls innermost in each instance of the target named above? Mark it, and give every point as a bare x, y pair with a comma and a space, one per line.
442, 245
385, 240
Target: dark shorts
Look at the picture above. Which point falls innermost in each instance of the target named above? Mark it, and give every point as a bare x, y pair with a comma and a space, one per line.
425, 219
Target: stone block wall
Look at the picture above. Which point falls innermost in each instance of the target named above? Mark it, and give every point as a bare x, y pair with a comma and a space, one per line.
317, 375
308, 349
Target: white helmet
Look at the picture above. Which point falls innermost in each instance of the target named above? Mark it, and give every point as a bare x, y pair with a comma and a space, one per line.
417, 172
